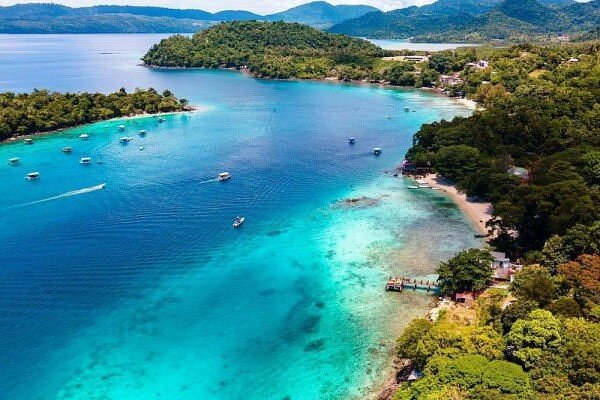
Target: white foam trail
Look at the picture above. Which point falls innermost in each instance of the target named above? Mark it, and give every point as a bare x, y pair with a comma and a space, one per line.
67, 194
209, 181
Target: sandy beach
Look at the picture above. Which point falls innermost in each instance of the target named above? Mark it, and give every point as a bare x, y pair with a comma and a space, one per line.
478, 212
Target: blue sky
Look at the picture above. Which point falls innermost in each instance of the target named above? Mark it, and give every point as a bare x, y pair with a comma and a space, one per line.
258, 6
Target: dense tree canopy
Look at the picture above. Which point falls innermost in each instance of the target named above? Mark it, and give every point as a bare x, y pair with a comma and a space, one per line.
541, 113
43, 111
469, 270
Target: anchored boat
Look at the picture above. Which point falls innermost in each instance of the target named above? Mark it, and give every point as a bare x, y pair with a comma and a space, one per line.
14, 161
85, 136
28, 141
238, 221
377, 151
32, 176
67, 150
125, 140
85, 161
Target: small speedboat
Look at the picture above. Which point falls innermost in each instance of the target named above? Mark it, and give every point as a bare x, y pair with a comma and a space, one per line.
161, 120
85, 160
406, 109
85, 136
67, 150
143, 132
14, 161
424, 186
238, 221
125, 140
412, 187
32, 176
388, 117
377, 151
224, 176
142, 148
28, 141
121, 127
351, 140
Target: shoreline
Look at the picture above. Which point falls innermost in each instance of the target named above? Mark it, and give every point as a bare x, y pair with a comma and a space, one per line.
16, 139
468, 103
477, 212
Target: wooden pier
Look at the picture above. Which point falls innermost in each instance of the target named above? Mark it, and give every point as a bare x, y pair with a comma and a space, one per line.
397, 284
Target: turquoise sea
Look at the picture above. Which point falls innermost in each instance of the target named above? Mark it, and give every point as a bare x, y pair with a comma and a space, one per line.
143, 290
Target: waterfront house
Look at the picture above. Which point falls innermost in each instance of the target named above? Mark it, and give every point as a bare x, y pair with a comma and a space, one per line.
500, 260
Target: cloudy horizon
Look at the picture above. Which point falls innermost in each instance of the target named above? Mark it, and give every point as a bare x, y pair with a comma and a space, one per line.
257, 6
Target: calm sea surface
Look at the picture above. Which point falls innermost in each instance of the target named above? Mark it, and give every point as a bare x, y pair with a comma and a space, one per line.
143, 290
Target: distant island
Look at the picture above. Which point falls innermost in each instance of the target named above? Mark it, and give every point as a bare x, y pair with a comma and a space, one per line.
480, 21
56, 18
43, 111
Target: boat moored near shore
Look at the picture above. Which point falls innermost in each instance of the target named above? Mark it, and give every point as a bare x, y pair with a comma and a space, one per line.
67, 150
121, 128
85, 160
14, 161
143, 132
84, 136
28, 141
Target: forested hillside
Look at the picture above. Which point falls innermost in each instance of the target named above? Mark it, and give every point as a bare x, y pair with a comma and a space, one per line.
453, 20
541, 113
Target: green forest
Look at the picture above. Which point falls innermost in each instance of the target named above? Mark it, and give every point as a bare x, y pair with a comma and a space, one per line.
44, 111
268, 49
538, 341
540, 113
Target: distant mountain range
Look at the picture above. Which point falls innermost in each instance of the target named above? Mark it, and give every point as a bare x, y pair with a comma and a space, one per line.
55, 18
473, 20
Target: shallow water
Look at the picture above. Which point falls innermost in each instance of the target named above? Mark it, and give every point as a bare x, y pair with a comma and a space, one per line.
144, 290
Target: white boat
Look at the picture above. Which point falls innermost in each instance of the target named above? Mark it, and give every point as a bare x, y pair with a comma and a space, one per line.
351, 140
143, 132
125, 140
142, 148
28, 141
424, 186
224, 176
161, 119
388, 117
67, 150
412, 187
85, 160
238, 221
14, 161
121, 127
85, 136
32, 176
377, 151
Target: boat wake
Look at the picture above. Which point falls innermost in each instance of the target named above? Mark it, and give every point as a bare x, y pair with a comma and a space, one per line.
64, 195
208, 181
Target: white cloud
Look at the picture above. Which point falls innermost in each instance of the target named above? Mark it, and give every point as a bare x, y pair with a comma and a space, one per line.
258, 6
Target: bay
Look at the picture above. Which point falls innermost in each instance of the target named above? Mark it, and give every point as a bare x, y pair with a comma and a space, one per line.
144, 290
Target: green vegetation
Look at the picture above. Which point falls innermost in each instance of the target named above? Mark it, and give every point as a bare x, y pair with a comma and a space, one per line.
274, 50
541, 113
533, 347
469, 271
43, 111
478, 21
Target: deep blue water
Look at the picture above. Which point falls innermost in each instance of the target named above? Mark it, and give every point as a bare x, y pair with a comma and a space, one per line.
144, 290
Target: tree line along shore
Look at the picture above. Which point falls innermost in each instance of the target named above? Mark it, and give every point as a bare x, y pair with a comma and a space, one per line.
43, 111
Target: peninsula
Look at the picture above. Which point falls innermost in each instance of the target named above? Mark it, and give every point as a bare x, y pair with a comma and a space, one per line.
43, 111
